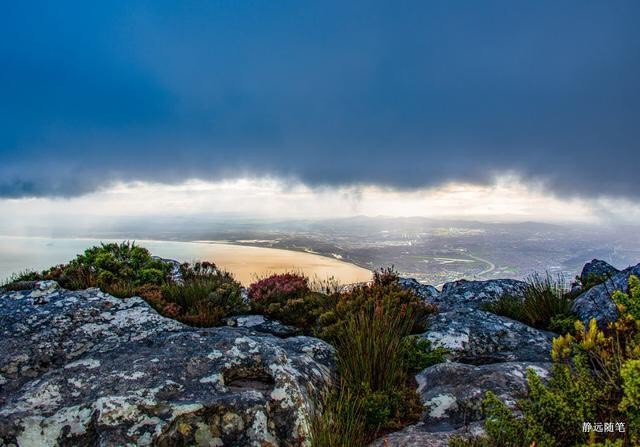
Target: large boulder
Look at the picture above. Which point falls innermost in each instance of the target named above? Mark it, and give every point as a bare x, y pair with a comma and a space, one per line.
596, 271
419, 435
479, 337
427, 292
85, 368
597, 303
452, 393
466, 294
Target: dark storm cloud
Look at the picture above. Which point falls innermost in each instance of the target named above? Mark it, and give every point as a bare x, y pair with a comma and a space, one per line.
403, 94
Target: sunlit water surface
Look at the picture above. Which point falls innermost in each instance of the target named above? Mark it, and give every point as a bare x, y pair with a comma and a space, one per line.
246, 263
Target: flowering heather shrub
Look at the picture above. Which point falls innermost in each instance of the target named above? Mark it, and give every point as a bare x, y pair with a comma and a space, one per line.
278, 287
287, 297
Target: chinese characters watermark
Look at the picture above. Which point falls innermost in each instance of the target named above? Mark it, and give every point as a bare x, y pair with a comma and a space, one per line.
603, 427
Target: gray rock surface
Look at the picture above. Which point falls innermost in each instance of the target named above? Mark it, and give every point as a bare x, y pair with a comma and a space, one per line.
452, 393
598, 269
260, 323
85, 368
419, 435
466, 294
597, 303
479, 337
427, 292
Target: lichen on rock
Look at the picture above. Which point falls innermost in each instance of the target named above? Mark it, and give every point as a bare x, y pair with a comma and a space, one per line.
86, 368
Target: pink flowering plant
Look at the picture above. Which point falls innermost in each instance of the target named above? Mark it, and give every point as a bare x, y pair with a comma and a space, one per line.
279, 287
287, 297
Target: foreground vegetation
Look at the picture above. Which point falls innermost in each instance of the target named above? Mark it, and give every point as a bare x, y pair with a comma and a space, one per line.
371, 327
595, 382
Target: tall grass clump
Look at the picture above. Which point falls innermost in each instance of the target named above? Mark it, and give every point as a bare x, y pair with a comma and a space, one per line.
369, 347
546, 298
338, 420
375, 375
546, 304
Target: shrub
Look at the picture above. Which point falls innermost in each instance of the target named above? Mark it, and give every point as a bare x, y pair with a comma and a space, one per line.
592, 280
288, 298
371, 356
203, 299
21, 281
545, 297
370, 345
118, 268
197, 270
370, 327
278, 288
385, 291
508, 306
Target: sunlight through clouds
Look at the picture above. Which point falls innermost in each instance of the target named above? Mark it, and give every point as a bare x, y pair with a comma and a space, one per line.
508, 200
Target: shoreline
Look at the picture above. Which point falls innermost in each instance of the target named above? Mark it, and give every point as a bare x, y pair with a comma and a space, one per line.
238, 264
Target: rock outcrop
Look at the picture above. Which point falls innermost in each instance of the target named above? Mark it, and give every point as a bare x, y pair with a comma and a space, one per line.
597, 269
487, 352
478, 337
452, 393
85, 368
597, 303
474, 294
427, 292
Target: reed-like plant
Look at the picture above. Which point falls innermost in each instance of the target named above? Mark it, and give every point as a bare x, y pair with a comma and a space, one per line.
339, 420
370, 347
546, 297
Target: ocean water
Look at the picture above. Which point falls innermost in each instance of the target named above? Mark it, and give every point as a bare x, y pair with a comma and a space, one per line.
246, 263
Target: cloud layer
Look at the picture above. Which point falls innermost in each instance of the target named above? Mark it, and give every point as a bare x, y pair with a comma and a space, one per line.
404, 95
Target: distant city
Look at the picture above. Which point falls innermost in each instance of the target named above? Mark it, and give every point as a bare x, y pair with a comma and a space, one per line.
432, 251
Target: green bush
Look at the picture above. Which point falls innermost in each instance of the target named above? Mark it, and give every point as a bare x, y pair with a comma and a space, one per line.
287, 297
202, 300
118, 268
20, 281
508, 306
592, 280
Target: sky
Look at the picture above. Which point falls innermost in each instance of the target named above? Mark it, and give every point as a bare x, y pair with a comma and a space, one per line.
495, 109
